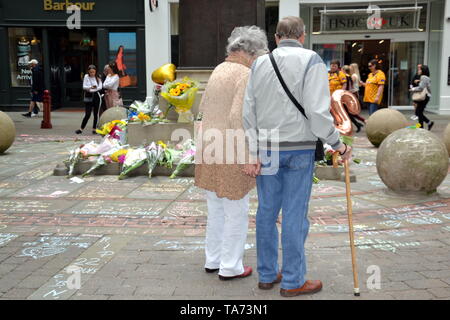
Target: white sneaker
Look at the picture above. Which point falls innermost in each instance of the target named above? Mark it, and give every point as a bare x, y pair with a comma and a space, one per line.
34, 115
414, 118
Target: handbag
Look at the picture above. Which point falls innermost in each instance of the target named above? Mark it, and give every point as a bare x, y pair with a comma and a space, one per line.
88, 96
420, 95
319, 153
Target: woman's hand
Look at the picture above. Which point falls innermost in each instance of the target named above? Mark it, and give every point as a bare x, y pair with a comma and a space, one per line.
252, 170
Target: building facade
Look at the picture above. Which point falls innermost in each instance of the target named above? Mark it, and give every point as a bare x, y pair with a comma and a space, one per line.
108, 30
400, 34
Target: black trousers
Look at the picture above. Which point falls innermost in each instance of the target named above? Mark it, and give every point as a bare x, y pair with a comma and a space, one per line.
421, 105
91, 107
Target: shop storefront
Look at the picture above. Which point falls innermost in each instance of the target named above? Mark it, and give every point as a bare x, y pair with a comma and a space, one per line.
108, 30
400, 35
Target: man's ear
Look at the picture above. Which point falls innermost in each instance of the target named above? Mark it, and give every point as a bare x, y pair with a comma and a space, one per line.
277, 40
302, 38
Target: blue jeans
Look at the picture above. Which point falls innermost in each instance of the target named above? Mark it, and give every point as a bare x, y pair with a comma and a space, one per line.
288, 189
373, 107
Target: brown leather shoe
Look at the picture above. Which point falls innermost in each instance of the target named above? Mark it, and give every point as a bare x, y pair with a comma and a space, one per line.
269, 285
310, 286
247, 272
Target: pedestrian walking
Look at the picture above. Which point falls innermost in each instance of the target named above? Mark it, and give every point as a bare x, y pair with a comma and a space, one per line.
227, 186
374, 86
37, 89
102, 92
285, 173
356, 78
351, 87
421, 96
111, 84
92, 85
336, 78
414, 83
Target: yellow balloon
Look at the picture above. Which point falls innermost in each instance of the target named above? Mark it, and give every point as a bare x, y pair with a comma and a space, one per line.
165, 73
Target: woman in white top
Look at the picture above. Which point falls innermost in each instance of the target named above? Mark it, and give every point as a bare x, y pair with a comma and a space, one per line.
92, 84
111, 84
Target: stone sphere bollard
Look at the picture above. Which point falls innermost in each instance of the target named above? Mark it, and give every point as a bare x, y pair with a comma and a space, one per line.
412, 160
115, 113
7, 132
447, 138
382, 123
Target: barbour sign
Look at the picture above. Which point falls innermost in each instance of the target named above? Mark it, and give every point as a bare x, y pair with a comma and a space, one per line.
54, 5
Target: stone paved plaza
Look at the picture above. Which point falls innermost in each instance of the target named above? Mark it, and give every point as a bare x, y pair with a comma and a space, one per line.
144, 239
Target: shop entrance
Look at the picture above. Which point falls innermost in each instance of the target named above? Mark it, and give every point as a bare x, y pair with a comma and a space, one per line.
362, 51
71, 52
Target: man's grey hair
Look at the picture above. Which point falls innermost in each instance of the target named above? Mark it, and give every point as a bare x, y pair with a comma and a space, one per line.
290, 28
250, 39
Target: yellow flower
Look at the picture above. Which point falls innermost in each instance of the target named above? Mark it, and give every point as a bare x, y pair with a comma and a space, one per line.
162, 144
183, 86
176, 92
143, 117
115, 156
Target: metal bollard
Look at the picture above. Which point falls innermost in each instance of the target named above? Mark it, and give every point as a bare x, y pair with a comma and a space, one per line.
46, 122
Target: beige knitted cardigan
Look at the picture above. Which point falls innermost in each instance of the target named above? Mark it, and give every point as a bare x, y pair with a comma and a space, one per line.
221, 106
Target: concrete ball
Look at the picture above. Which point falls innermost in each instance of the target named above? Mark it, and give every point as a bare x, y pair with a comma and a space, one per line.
382, 123
7, 132
447, 138
111, 114
412, 160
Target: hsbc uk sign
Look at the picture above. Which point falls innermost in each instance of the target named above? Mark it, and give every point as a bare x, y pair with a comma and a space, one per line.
371, 19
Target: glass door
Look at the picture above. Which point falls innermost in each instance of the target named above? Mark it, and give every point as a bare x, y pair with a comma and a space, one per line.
405, 56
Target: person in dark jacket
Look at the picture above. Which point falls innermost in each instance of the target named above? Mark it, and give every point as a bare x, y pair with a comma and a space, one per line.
37, 89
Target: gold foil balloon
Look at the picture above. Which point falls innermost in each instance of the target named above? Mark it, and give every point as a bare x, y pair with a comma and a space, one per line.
165, 73
340, 101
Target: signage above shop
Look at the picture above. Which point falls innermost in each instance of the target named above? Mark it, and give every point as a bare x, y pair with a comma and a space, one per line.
372, 19
53, 5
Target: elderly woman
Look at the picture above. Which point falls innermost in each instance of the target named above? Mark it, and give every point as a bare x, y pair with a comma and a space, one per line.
220, 172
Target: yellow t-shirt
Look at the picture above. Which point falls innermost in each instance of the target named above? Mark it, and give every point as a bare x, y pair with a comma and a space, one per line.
336, 81
372, 84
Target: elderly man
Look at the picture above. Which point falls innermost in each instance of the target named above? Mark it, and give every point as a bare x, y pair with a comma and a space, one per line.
285, 172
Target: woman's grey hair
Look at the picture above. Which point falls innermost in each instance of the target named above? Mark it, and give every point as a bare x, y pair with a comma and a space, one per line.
250, 39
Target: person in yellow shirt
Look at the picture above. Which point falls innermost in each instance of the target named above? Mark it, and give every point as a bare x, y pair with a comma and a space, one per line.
374, 86
336, 78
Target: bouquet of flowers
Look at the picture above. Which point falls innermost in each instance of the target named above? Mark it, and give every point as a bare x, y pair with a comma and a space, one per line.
155, 155
108, 147
115, 129
74, 157
133, 160
180, 94
186, 158
171, 154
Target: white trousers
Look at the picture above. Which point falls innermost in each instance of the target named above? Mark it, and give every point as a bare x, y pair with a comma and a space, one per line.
226, 234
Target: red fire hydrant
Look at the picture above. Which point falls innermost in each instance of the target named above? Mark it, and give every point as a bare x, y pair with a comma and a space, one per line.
46, 122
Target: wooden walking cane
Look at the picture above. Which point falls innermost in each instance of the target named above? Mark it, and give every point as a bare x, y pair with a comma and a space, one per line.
350, 229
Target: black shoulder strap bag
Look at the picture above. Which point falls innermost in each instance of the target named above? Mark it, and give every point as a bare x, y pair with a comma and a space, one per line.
319, 155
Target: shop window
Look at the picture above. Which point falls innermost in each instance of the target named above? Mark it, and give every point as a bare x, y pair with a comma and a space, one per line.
24, 45
329, 52
122, 50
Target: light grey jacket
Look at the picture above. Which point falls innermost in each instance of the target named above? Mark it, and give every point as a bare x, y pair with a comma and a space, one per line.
267, 106
425, 82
